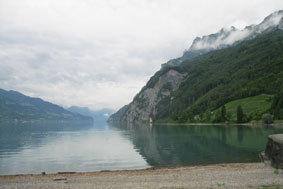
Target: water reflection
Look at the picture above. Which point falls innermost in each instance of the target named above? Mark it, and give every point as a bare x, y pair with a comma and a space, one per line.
52, 148
164, 145
34, 148
15, 136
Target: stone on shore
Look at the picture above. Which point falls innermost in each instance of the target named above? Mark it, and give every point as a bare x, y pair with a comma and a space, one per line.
274, 150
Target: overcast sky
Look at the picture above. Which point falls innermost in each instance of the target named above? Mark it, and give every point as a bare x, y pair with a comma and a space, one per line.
100, 53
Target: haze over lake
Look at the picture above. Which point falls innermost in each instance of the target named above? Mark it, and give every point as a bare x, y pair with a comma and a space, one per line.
51, 148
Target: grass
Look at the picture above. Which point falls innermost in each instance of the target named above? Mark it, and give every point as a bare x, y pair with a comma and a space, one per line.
277, 121
255, 106
272, 186
219, 185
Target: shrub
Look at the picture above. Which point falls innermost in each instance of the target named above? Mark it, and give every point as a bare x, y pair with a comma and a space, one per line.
267, 118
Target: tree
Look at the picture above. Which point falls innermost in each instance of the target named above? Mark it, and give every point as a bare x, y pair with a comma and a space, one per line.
240, 114
223, 114
277, 106
229, 116
267, 118
217, 117
207, 116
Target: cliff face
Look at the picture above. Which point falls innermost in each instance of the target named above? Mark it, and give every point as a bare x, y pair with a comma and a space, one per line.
144, 104
281, 24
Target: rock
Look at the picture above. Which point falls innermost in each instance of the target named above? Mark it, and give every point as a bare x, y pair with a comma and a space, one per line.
143, 107
222, 165
274, 151
60, 179
280, 26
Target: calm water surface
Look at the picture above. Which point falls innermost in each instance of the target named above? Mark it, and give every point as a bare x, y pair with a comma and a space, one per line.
51, 148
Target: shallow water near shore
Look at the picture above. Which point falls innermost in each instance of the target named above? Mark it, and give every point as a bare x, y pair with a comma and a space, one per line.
35, 148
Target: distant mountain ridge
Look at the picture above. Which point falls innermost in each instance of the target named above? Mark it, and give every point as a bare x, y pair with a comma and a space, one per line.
227, 37
15, 106
98, 115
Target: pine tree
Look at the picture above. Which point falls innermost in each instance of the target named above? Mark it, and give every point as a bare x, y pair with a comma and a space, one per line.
223, 114
240, 114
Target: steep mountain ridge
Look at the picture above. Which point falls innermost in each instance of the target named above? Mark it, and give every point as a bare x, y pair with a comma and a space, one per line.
15, 106
227, 37
205, 82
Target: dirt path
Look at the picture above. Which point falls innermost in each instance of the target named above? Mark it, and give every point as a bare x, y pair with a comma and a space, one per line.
248, 175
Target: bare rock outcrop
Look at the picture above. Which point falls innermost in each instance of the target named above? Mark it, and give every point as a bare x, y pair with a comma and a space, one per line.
280, 26
274, 151
143, 107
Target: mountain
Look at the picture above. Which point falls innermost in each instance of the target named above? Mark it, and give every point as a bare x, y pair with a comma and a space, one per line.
195, 88
117, 116
98, 115
227, 37
15, 106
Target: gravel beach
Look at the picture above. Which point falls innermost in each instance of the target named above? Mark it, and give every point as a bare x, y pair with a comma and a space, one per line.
239, 175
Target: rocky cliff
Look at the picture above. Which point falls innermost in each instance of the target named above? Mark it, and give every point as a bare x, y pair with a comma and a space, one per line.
281, 24
144, 104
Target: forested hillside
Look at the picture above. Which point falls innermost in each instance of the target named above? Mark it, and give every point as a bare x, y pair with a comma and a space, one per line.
15, 106
219, 70
251, 68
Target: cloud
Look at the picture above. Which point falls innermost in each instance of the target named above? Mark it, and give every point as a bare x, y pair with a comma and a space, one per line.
271, 20
82, 74
100, 53
226, 36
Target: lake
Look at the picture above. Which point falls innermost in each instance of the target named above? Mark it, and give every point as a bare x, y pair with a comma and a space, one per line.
52, 148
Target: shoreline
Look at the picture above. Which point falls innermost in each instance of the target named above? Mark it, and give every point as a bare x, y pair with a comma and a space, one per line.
223, 124
70, 173
230, 175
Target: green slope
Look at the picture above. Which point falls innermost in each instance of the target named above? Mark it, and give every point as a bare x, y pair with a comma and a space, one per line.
248, 69
253, 107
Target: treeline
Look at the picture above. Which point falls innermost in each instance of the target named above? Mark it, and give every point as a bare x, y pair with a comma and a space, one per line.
250, 68
277, 106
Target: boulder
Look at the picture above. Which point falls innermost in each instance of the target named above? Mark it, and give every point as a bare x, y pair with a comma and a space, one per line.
274, 151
